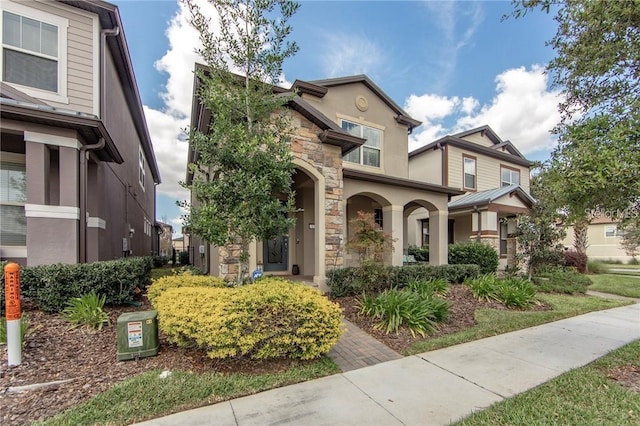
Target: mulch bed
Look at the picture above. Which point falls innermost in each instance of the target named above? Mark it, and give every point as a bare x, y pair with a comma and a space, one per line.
53, 352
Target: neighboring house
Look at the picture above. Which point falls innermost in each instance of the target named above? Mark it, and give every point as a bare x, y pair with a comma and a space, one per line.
603, 240
494, 177
165, 237
77, 167
350, 145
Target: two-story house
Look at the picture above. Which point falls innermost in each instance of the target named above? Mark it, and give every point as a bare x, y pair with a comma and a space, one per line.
494, 177
77, 167
350, 143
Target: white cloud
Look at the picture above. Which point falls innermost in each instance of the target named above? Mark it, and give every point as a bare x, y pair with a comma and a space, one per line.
523, 111
359, 56
428, 107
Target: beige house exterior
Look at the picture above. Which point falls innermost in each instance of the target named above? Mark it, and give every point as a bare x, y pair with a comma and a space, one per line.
603, 240
350, 144
493, 177
78, 172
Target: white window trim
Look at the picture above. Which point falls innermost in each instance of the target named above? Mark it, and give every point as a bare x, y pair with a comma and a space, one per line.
615, 231
63, 25
361, 122
475, 172
510, 170
142, 163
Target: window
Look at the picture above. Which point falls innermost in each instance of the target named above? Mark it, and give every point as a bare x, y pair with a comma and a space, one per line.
503, 238
34, 51
141, 170
377, 217
13, 231
612, 231
425, 232
369, 153
469, 172
509, 176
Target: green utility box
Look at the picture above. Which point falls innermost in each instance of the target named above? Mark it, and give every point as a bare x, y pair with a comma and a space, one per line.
137, 335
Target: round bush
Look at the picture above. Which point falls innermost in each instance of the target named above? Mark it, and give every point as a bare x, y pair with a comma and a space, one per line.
269, 319
183, 280
474, 253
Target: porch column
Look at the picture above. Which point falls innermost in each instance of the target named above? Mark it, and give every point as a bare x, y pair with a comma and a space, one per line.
438, 237
393, 219
484, 225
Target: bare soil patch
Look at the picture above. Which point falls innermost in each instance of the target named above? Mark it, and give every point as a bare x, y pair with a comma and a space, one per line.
627, 376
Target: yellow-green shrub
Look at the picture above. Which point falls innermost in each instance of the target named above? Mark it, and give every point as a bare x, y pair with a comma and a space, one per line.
178, 281
269, 319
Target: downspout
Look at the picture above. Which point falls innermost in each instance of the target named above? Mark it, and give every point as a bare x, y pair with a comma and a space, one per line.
103, 59
84, 156
479, 231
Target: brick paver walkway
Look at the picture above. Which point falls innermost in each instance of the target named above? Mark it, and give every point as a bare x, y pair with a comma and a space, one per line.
357, 349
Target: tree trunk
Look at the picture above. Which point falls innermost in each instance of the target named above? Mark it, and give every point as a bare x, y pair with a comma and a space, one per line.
580, 235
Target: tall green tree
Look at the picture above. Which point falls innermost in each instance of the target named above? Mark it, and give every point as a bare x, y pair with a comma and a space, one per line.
597, 66
539, 233
243, 172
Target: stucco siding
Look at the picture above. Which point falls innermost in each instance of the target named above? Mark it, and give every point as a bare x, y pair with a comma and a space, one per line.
599, 245
81, 41
340, 102
427, 167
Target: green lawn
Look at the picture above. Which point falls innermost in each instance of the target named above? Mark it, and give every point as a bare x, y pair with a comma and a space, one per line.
623, 285
146, 396
584, 396
492, 322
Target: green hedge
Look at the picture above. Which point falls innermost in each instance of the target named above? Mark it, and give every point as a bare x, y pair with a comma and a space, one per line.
562, 281
350, 281
2, 301
474, 253
51, 286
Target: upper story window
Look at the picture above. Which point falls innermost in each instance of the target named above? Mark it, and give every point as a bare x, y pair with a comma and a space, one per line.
141, 170
509, 176
34, 51
13, 231
369, 153
612, 231
469, 165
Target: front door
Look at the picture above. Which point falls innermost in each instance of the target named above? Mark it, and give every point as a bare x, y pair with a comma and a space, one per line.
275, 254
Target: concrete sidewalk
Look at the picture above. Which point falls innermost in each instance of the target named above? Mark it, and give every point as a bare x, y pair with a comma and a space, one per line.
433, 388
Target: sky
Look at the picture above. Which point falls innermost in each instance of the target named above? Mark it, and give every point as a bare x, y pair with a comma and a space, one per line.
454, 65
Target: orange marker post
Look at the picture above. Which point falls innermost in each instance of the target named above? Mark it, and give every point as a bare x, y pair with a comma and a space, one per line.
13, 313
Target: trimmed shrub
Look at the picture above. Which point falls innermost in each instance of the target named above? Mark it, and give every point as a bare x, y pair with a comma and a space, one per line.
565, 281
348, 281
573, 259
396, 308
186, 279
269, 319
513, 292
2, 301
474, 253
50, 287
421, 254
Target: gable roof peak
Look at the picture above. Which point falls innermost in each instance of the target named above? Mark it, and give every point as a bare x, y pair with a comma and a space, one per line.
484, 130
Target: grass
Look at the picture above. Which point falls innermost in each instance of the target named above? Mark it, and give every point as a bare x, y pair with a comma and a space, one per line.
146, 395
584, 396
616, 284
491, 322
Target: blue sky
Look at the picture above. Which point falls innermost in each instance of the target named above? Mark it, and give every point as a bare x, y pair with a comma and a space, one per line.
452, 65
